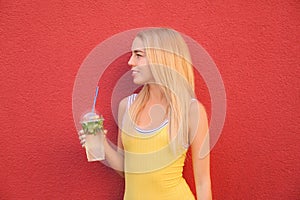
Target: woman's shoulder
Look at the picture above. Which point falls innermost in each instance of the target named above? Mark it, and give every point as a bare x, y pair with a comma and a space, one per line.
198, 118
127, 101
196, 108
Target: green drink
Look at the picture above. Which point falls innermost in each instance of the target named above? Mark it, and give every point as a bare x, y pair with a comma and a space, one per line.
92, 125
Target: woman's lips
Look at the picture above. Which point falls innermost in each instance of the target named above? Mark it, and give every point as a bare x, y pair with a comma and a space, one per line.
134, 72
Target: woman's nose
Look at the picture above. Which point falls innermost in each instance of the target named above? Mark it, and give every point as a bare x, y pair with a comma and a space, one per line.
131, 62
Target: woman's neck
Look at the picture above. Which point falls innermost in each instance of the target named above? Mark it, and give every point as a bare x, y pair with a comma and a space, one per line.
156, 94
157, 102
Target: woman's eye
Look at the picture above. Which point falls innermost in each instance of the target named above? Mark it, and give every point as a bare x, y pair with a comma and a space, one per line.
138, 55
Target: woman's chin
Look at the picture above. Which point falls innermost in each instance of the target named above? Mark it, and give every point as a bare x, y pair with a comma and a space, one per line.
137, 82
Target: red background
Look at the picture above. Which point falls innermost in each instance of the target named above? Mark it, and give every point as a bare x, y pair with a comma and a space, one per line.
254, 45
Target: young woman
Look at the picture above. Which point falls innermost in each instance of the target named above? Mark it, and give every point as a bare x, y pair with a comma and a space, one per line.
160, 123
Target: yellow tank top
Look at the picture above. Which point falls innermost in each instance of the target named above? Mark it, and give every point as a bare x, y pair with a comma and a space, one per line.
152, 171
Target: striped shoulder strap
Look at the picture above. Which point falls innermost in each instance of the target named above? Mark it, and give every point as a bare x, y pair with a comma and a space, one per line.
131, 99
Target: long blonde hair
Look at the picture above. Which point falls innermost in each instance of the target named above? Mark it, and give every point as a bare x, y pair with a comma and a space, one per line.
171, 66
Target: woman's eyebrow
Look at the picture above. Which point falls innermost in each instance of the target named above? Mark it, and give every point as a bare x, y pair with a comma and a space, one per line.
138, 51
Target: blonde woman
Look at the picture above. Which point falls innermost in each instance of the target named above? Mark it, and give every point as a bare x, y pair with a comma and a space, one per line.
160, 123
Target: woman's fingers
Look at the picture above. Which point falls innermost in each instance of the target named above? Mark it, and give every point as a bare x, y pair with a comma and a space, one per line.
80, 132
82, 142
81, 137
104, 132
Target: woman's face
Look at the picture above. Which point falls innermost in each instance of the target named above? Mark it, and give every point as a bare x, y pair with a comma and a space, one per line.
138, 61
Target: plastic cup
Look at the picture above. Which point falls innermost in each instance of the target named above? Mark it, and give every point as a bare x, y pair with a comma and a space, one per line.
92, 125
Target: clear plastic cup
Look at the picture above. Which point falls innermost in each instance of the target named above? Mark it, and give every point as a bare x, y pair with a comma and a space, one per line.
92, 125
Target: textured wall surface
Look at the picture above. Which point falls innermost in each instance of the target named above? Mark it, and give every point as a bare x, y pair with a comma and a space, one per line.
43, 44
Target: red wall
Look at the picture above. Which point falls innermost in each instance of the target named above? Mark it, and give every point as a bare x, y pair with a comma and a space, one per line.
254, 45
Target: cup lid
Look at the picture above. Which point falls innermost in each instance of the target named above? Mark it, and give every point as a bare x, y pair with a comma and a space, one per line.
91, 117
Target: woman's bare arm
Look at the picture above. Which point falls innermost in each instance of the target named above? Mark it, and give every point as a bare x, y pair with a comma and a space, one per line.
200, 150
113, 156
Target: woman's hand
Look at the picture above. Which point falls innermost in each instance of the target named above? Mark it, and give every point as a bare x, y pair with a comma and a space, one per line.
82, 137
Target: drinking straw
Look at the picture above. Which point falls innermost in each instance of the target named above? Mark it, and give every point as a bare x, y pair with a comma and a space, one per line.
95, 99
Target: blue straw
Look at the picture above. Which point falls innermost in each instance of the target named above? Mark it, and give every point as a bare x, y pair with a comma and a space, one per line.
95, 99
